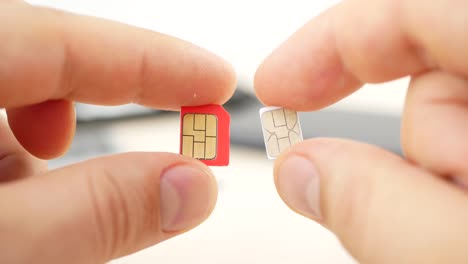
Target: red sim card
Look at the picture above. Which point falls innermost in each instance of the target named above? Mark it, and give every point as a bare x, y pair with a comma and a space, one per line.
205, 134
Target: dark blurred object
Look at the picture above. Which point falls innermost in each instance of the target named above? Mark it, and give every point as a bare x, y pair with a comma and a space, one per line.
372, 127
87, 112
90, 113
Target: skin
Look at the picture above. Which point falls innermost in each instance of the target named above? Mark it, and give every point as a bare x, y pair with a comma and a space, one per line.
384, 208
108, 207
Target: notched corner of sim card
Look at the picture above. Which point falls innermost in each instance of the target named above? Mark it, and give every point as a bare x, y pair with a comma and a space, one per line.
271, 157
268, 109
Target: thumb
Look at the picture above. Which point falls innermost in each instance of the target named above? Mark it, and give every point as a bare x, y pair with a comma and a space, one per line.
103, 209
382, 208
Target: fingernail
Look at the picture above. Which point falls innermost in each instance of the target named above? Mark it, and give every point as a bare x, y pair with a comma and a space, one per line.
299, 185
187, 196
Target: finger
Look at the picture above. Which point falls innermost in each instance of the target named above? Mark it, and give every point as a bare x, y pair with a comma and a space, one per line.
51, 55
383, 209
46, 130
358, 42
434, 124
105, 208
15, 161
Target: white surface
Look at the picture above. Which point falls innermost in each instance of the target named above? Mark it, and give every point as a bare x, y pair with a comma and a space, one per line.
250, 223
244, 32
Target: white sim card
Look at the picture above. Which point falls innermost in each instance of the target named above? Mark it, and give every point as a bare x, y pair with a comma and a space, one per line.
281, 129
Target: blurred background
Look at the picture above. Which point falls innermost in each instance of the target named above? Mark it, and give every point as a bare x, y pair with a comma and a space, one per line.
250, 223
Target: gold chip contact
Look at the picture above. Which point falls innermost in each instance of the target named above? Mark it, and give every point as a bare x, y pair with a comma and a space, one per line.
281, 129
199, 136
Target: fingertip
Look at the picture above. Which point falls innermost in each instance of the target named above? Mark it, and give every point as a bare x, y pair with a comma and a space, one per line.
228, 81
184, 75
305, 72
298, 177
45, 130
298, 184
214, 78
187, 197
261, 83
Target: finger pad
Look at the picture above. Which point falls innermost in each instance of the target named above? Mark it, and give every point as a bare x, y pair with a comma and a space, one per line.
45, 130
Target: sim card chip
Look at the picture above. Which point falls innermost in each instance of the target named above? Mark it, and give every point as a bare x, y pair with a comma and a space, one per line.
199, 136
281, 129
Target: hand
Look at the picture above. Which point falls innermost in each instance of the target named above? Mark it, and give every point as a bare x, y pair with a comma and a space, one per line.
104, 208
384, 209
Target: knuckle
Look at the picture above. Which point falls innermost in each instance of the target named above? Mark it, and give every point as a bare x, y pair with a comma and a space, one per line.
348, 197
111, 211
142, 76
350, 212
120, 214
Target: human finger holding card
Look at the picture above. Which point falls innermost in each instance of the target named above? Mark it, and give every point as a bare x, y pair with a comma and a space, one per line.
383, 207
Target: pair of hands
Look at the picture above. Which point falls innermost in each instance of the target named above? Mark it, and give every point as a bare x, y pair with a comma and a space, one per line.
384, 208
